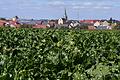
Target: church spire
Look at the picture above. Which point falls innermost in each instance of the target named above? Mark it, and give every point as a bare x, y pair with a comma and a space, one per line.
66, 17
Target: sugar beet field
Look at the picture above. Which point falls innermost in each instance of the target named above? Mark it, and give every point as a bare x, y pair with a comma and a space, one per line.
59, 54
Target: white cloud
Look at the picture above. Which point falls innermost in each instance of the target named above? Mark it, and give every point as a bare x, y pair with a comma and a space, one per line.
91, 7
79, 7
97, 7
106, 7
55, 3
87, 3
101, 7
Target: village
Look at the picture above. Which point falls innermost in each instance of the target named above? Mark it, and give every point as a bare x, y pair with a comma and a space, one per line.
64, 22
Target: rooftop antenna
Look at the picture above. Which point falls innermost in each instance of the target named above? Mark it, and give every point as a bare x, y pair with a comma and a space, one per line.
78, 14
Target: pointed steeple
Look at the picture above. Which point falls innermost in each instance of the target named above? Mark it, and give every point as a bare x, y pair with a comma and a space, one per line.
66, 17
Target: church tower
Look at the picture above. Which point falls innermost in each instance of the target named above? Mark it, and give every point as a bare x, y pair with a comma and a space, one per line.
65, 16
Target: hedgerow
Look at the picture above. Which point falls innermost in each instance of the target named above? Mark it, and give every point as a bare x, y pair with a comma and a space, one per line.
57, 54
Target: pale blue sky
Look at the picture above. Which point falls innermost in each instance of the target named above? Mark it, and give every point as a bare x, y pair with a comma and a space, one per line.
53, 9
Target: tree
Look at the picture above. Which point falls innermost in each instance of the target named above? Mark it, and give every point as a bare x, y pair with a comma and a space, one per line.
2, 19
111, 20
16, 17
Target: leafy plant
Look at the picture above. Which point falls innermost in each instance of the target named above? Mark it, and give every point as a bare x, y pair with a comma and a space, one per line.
58, 54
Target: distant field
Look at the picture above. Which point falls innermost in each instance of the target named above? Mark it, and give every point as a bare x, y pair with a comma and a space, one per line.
59, 54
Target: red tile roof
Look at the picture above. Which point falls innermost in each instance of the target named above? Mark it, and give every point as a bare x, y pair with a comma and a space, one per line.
2, 22
39, 26
89, 21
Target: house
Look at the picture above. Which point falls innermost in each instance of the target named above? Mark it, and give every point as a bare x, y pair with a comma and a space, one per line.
51, 23
14, 24
39, 26
114, 25
96, 24
102, 27
15, 18
60, 21
109, 27
91, 27
105, 23
74, 24
69, 24
61, 26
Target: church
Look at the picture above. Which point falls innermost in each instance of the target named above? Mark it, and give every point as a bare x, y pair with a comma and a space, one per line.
64, 19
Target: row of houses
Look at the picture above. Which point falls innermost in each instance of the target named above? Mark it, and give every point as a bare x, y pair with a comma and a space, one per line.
10, 23
60, 23
100, 24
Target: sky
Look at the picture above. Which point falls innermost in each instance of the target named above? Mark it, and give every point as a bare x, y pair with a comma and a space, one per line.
54, 9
